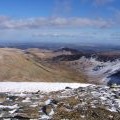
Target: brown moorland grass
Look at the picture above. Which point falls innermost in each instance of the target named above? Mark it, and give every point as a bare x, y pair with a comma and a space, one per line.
17, 66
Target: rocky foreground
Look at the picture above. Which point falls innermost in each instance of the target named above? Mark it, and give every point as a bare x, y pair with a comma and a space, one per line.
84, 103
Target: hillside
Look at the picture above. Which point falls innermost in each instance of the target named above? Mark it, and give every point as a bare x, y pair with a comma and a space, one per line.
30, 65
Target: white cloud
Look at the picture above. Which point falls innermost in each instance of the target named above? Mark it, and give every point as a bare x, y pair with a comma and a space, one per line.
102, 2
54, 34
29, 23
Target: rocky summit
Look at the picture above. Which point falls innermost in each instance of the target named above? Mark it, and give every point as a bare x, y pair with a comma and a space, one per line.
84, 103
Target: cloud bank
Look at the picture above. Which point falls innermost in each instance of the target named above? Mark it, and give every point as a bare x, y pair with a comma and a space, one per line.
57, 22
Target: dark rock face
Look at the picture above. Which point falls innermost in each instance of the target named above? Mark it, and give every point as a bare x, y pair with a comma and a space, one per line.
78, 55
70, 57
114, 78
103, 56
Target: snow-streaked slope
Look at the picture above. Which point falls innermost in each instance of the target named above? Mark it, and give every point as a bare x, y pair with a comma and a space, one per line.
103, 70
36, 86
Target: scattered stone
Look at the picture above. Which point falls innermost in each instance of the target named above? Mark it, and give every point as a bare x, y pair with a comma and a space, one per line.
84, 103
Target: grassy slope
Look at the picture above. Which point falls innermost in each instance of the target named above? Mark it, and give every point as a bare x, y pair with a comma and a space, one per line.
16, 66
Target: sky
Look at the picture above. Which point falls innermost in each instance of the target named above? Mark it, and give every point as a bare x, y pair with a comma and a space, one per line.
69, 21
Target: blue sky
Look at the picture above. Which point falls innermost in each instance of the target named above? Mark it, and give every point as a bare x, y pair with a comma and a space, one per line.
77, 21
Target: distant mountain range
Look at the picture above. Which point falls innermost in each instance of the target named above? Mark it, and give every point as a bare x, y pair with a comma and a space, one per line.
56, 46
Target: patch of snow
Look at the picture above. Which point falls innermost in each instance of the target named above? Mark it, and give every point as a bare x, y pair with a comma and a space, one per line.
47, 102
33, 105
44, 117
51, 113
27, 100
103, 98
1, 115
10, 107
110, 116
102, 70
15, 94
118, 102
82, 116
12, 111
112, 109
36, 86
